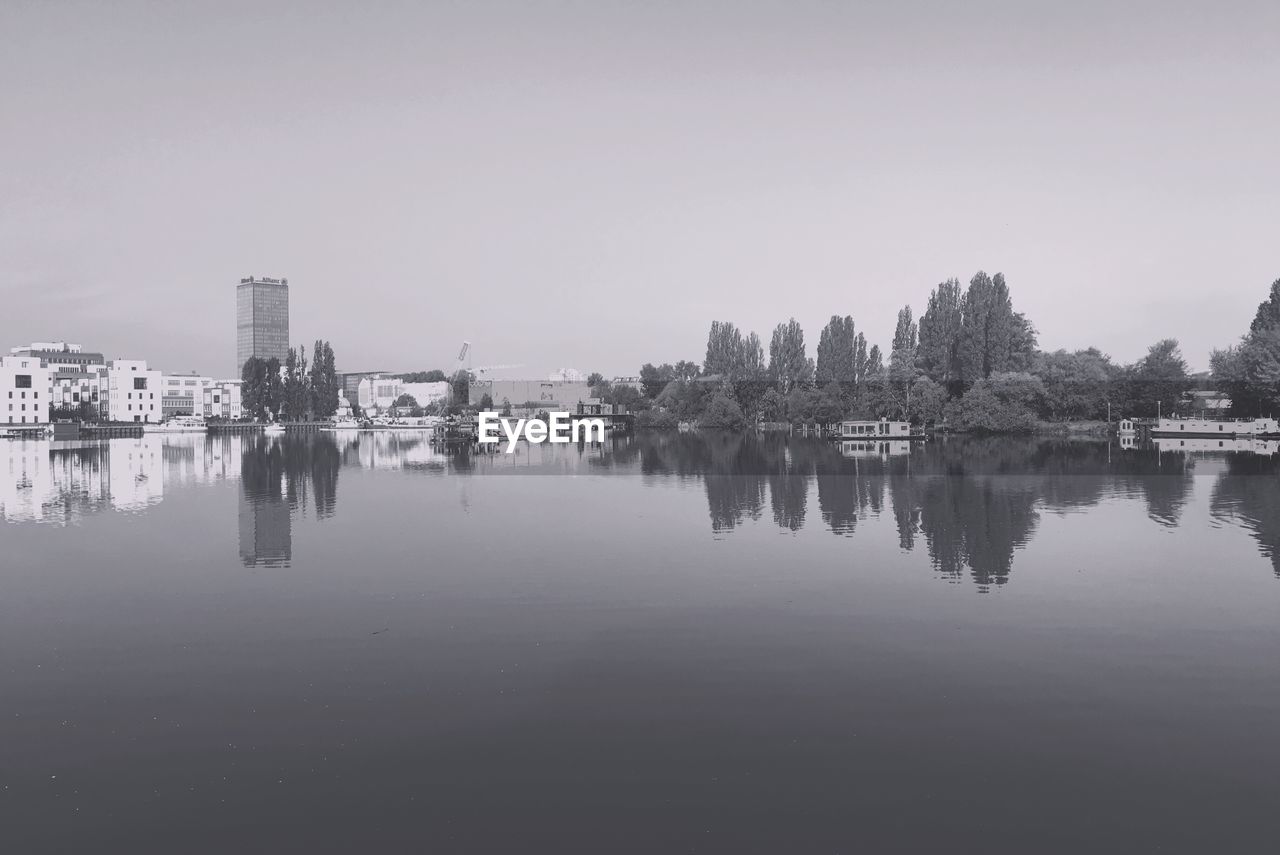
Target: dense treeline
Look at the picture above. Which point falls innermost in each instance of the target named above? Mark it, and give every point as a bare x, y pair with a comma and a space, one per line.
970, 361
1250, 371
293, 391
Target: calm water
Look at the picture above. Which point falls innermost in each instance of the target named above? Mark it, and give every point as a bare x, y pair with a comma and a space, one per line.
673, 643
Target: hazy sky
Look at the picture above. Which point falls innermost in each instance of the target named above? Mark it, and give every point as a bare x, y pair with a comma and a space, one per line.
589, 184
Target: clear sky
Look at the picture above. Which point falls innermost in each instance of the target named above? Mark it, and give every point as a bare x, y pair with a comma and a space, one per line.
589, 184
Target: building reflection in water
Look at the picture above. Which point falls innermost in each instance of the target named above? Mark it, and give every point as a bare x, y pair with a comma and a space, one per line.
265, 523
970, 504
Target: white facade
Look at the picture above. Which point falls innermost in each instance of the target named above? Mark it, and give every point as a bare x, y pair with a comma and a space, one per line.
183, 394
377, 394
73, 389
25, 350
25, 391
197, 395
135, 392
222, 400
1218, 427
853, 429
567, 375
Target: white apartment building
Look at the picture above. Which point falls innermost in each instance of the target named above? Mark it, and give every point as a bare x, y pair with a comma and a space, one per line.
196, 395
135, 392
183, 394
377, 394
60, 355
25, 390
72, 390
222, 400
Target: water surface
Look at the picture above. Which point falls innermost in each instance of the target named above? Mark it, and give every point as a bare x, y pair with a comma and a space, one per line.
667, 643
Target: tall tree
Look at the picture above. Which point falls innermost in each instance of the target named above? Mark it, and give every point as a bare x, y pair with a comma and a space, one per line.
1158, 381
323, 381
989, 329
788, 365
904, 334
1268, 316
726, 349
940, 333
253, 381
875, 363
902, 361
837, 352
272, 388
296, 384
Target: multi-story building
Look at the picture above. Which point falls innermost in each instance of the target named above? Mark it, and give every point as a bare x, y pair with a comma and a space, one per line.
262, 319
74, 375
183, 394
25, 390
60, 355
135, 392
376, 394
78, 394
350, 381
196, 395
222, 400
542, 394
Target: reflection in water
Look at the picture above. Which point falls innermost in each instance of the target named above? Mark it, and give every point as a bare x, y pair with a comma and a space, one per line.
970, 504
973, 502
1248, 494
278, 478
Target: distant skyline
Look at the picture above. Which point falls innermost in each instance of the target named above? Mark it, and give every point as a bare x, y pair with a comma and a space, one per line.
590, 185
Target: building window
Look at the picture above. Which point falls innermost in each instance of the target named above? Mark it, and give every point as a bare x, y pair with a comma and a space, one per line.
22, 381
139, 382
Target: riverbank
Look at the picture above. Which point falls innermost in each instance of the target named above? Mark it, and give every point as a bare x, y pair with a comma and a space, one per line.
1100, 429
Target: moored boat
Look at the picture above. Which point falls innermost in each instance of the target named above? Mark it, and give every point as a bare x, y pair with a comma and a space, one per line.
876, 429
1216, 427
177, 424
275, 428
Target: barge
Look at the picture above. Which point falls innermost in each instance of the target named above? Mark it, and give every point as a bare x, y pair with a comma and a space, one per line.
1223, 428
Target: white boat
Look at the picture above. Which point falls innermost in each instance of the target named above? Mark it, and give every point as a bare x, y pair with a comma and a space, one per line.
1216, 427
275, 428
344, 424
177, 424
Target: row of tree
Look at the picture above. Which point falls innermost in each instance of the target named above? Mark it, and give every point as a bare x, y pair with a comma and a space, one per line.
970, 360
294, 391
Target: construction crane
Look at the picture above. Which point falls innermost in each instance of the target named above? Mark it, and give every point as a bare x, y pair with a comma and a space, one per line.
463, 368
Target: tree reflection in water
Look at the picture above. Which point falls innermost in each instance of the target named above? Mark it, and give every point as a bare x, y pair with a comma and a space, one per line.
973, 502
275, 476
1248, 493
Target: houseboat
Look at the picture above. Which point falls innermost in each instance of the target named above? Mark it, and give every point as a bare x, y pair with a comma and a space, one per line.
1128, 427
862, 448
882, 429
1216, 427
